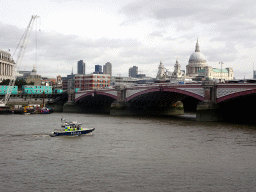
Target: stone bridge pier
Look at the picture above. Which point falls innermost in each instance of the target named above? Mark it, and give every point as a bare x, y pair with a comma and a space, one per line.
120, 107
208, 110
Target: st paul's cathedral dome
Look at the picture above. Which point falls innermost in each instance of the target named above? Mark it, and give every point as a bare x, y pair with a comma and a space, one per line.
196, 62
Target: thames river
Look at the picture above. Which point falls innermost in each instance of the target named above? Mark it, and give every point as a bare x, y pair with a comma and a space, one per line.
126, 154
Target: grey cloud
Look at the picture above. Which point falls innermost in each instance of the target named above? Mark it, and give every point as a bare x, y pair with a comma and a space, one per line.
56, 46
242, 32
232, 23
174, 13
55, 50
228, 53
204, 11
9, 36
226, 16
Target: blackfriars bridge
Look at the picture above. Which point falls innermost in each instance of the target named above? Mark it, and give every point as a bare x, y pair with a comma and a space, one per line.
210, 101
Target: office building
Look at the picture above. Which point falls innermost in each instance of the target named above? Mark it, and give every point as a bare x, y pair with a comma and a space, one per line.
133, 71
66, 80
92, 81
107, 69
98, 69
81, 67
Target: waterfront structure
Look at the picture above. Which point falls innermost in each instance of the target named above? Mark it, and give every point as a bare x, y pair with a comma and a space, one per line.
141, 76
198, 69
133, 71
58, 84
118, 80
32, 89
107, 69
130, 81
4, 88
65, 80
81, 67
57, 91
7, 65
49, 81
219, 74
91, 81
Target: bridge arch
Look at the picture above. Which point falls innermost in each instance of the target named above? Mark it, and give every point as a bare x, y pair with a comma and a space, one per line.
238, 107
95, 102
167, 89
88, 94
236, 95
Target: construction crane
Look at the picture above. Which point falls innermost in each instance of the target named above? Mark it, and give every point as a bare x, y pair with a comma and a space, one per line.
22, 45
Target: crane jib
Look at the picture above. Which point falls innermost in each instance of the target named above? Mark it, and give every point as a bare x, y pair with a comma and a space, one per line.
22, 45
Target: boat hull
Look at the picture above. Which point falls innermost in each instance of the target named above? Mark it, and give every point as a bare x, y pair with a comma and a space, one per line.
72, 133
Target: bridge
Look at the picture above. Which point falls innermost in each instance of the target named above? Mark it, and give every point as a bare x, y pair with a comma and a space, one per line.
210, 101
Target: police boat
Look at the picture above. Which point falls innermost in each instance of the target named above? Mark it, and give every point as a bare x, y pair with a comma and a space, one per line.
72, 129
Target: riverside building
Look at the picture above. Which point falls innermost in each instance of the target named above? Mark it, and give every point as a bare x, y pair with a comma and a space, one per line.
198, 69
6, 66
92, 81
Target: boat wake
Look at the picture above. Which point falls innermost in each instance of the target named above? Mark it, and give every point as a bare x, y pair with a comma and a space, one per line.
39, 135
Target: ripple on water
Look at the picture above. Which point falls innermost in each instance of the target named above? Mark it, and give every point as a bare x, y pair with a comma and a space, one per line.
126, 154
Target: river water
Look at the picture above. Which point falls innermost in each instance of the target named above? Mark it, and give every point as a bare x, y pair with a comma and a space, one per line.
126, 154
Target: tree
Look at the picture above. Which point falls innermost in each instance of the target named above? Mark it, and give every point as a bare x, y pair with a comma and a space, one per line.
18, 82
5, 82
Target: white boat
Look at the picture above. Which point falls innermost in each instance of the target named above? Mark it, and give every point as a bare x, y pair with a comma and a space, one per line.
65, 123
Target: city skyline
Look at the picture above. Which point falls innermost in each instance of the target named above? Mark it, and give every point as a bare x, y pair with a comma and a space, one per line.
136, 33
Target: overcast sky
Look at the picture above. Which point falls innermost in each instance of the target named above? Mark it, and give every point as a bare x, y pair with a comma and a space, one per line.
130, 33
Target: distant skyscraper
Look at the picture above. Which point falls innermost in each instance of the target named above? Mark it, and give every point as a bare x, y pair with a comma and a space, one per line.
98, 69
133, 71
107, 68
81, 67
254, 73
